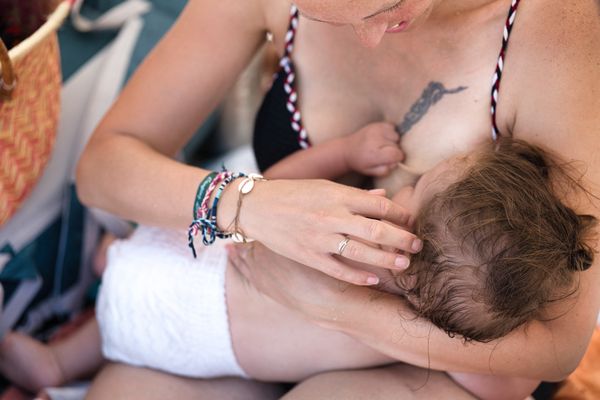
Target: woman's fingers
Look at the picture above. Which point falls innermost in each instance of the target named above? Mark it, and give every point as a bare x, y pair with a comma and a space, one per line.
381, 233
307, 226
361, 252
378, 207
338, 270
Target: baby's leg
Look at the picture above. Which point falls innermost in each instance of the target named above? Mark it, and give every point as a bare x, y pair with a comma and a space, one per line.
34, 365
489, 387
99, 259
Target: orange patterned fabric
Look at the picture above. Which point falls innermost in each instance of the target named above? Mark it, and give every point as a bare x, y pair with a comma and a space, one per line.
28, 123
584, 383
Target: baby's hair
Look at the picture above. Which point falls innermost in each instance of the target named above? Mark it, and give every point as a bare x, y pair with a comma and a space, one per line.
499, 244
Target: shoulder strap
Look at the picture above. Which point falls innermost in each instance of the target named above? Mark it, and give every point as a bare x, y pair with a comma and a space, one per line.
510, 20
289, 84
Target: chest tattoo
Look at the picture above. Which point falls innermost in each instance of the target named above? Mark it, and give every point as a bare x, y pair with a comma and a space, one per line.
431, 95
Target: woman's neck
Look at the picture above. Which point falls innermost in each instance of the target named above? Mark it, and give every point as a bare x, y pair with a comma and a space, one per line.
453, 11
451, 8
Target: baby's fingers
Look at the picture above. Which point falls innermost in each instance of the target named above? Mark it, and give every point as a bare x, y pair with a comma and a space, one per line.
389, 133
381, 170
390, 155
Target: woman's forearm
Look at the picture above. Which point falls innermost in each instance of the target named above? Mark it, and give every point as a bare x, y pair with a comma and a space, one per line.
126, 167
113, 175
546, 351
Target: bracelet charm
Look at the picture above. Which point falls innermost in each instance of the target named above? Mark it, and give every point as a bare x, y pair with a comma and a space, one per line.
244, 188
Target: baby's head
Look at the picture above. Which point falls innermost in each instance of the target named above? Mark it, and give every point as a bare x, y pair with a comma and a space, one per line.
499, 244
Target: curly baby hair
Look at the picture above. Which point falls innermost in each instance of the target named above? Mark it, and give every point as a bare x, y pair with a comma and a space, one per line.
499, 244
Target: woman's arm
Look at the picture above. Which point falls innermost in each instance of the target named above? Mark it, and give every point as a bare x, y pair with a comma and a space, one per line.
544, 351
127, 167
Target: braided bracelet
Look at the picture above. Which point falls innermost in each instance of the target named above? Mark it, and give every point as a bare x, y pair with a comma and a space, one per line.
203, 211
205, 218
201, 193
244, 188
211, 233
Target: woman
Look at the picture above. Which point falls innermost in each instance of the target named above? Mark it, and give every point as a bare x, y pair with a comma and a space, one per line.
425, 65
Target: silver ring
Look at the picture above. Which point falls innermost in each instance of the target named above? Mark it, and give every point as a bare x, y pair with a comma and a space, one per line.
342, 245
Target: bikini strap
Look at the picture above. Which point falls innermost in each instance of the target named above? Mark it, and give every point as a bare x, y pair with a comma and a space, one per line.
510, 20
290, 36
289, 78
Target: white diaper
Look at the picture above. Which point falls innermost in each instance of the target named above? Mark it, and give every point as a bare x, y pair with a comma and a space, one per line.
161, 308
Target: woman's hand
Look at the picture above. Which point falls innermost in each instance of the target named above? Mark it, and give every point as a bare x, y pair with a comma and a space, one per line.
309, 220
380, 320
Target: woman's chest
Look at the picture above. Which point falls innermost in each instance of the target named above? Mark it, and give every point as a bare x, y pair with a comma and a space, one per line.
436, 89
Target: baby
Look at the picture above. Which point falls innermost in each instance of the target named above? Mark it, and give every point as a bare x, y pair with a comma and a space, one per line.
499, 244
499, 249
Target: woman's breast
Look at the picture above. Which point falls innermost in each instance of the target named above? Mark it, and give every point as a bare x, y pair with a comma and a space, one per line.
440, 100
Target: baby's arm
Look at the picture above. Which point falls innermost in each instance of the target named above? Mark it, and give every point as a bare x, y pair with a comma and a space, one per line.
373, 150
325, 160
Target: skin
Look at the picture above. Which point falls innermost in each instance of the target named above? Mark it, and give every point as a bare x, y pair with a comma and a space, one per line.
569, 126
127, 166
352, 73
263, 332
34, 365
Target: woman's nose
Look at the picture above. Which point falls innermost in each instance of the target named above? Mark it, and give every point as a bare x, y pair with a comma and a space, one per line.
370, 33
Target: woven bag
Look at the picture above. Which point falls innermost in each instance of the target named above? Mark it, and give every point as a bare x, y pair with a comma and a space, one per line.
30, 81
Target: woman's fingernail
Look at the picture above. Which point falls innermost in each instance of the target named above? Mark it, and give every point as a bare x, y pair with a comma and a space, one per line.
402, 262
417, 245
372, 280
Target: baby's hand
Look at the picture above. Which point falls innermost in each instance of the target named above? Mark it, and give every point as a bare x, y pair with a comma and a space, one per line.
374, 149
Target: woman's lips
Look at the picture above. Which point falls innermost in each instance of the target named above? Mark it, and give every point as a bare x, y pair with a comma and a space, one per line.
399, 27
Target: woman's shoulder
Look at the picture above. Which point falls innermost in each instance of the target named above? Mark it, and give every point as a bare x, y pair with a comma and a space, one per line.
552, 73
555, 35
267, 15
558, 25
277, 16
552, 80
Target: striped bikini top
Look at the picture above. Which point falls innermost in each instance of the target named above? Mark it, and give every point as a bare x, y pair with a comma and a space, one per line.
278, 129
